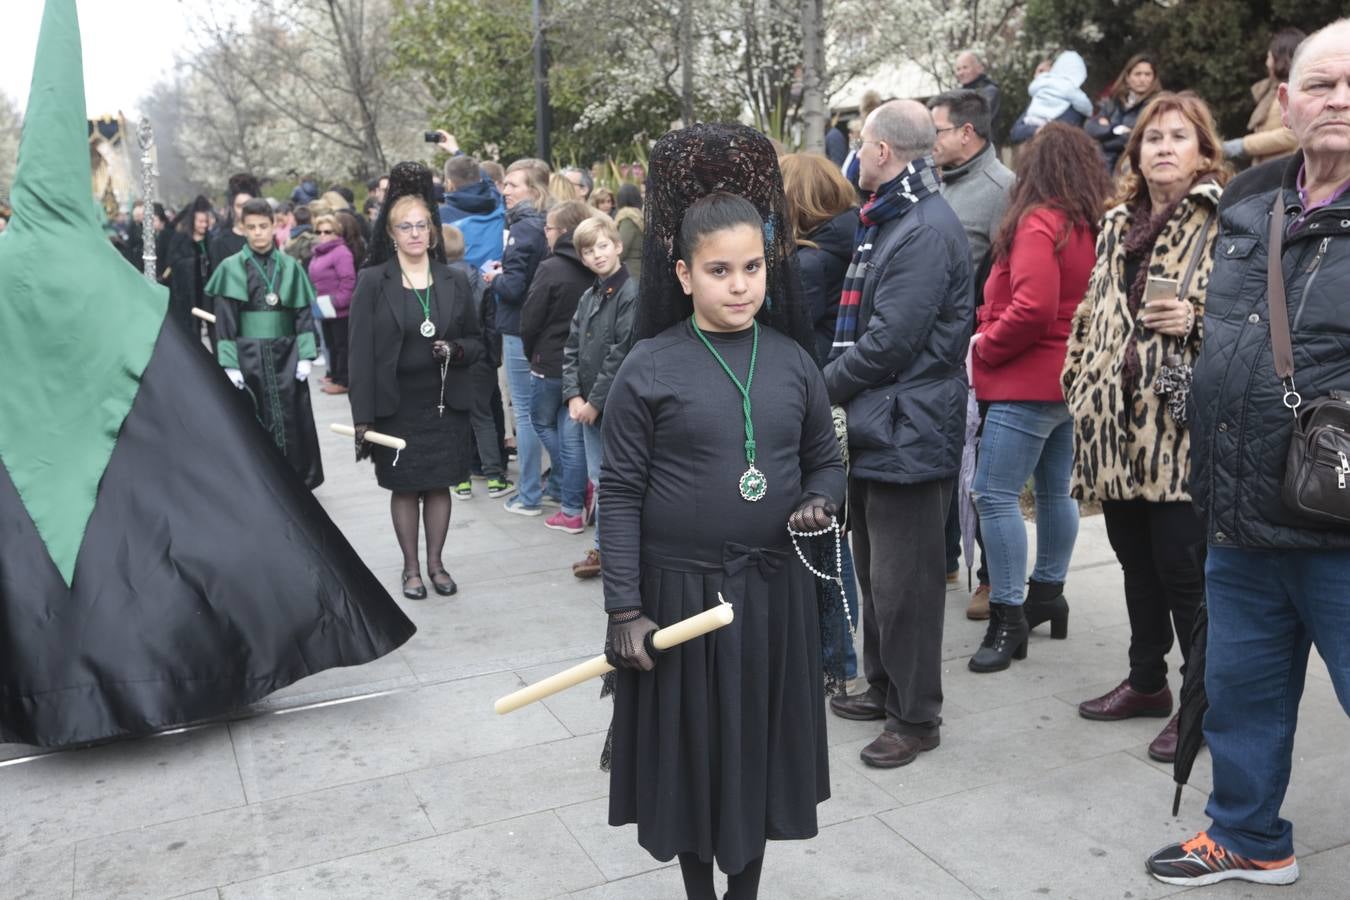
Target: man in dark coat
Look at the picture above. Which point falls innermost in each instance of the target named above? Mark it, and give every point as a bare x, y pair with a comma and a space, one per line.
1275, 582
900, 373
970, 72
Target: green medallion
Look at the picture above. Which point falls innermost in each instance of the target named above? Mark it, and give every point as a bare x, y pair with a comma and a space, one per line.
754, 485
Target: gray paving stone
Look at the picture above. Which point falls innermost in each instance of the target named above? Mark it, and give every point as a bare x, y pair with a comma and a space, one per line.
581, 709
257, 840
511, 784
1005, 745
522, 859
1093, 825
614, 850
294, 754
38, 874
70, 796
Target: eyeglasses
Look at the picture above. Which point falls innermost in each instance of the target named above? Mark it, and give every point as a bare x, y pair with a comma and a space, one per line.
325, 231
949, 128
858, 144
413, 227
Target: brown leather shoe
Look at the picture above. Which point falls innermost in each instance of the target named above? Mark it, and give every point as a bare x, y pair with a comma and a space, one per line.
860, 707
1124, 702
979, 604
332, 388
891, 750
1164, 746
589, 566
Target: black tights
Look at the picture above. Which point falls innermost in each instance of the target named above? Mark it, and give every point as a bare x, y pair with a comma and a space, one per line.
435, 519
698, 879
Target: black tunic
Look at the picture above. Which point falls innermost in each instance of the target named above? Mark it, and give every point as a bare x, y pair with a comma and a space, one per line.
438, 451
723, 745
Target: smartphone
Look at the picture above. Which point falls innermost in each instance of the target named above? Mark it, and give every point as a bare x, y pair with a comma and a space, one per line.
1161, 289
431, 137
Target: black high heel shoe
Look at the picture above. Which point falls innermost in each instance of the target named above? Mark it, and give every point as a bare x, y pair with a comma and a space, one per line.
1046, 603
417, 593
445, 590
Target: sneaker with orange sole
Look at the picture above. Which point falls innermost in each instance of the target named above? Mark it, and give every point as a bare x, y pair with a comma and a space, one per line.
1202, 860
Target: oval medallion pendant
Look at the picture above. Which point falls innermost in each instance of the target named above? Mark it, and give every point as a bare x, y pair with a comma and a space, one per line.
753, 485
427, 329
271, 299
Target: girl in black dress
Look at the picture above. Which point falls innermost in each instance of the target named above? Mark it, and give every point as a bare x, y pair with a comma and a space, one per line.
718, 436
413, 336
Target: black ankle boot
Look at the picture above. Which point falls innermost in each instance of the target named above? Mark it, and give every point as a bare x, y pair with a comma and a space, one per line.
1007, 639
1046, 603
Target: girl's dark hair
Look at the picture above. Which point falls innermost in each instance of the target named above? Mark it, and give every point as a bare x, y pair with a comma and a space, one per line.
1282, 47
351, 233
187, 218
716, 212
1060, 168
628, 195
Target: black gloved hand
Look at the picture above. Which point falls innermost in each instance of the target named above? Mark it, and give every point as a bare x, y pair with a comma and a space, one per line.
362, 448
448, 351
628, 641
813, 515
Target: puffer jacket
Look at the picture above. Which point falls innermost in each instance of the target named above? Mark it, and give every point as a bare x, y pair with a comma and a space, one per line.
1242, 429
822, 270
526, 247
1131, 448
904, 380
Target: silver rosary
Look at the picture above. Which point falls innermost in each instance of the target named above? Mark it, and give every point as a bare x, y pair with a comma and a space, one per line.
838, 577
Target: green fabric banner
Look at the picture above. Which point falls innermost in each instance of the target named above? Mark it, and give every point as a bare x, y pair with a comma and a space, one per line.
77, 324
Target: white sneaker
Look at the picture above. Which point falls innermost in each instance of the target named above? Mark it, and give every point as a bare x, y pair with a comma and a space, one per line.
514, 505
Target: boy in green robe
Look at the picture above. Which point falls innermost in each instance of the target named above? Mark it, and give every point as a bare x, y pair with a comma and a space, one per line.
265, 338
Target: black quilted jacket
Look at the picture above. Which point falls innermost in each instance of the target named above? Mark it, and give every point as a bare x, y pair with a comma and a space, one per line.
1241, 429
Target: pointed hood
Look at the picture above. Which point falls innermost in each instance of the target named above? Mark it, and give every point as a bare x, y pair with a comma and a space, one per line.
77, 324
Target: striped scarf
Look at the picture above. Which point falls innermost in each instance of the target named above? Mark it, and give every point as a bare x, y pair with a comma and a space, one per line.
891, 201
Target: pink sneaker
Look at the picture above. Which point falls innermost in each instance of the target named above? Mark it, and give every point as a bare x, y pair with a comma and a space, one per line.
588, 512
561, 521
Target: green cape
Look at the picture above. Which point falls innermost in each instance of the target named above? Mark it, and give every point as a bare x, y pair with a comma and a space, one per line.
293, 288
77, 324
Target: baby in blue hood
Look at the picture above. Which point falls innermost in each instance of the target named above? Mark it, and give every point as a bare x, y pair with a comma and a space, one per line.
1053, 92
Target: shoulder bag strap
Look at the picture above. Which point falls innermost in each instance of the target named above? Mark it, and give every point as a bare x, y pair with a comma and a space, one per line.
1280, 343
1196, 254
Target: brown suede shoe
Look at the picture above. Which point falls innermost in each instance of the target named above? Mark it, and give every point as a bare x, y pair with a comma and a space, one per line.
979, 604
891, 750
859, 707
1124, 702
589, 566
1164, 746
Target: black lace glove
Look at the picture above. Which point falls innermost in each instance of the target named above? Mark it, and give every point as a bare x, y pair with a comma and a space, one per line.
448, 351
362, 448
628, 640
813, 515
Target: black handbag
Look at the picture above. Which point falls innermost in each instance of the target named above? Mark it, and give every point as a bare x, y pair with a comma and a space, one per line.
1317, 465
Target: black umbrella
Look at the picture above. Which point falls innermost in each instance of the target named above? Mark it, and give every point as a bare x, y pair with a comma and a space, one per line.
1194, 702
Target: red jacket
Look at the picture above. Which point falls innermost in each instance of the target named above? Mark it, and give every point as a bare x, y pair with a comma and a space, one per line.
1029, 302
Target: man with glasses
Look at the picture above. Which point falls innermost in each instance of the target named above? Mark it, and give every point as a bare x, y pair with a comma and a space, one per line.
977, 186
898, 367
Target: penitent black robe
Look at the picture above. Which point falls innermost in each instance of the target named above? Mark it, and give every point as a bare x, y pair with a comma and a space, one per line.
722, 745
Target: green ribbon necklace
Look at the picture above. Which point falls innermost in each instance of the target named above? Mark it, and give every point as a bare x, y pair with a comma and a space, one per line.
753, 484
428, 328
271, 298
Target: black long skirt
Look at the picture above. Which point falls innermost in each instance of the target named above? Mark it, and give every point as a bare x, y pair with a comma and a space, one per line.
722, 746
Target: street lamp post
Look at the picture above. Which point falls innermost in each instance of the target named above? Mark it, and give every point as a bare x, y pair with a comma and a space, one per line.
543, 116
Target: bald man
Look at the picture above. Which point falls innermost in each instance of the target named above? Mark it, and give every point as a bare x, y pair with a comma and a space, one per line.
972, 77
1275, 579
898, 366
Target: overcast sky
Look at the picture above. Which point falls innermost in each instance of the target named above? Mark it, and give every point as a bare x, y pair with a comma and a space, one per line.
128, 45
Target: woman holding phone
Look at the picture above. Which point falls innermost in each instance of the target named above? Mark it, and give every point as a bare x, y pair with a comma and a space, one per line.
1126, 381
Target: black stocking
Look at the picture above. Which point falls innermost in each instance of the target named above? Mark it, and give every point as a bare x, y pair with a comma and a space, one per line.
403, 508
436, 521
698, 877
744, 885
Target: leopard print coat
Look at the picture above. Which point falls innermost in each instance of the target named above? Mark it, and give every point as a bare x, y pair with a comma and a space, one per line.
1131, 448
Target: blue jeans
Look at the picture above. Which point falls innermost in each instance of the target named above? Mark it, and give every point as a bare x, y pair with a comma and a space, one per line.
593, 440
1266, 609
1022, 440
563, 443
518, 379
851, 597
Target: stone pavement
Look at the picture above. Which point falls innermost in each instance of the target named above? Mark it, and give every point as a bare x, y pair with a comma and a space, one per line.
420, 791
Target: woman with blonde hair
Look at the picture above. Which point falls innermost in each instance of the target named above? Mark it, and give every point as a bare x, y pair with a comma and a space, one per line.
525, 190
1126, 379
334, 201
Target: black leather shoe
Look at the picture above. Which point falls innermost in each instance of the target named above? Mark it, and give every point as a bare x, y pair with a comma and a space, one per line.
417, 593
891, 750
445, 590
859, 707
1005, 641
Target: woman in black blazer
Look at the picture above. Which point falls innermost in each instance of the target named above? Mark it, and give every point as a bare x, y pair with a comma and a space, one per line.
413, 336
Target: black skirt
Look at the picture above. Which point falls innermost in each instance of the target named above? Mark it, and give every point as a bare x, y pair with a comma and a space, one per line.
722, 746
438, 454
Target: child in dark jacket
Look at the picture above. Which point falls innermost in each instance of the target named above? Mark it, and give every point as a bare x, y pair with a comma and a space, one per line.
599, 339
545, 321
